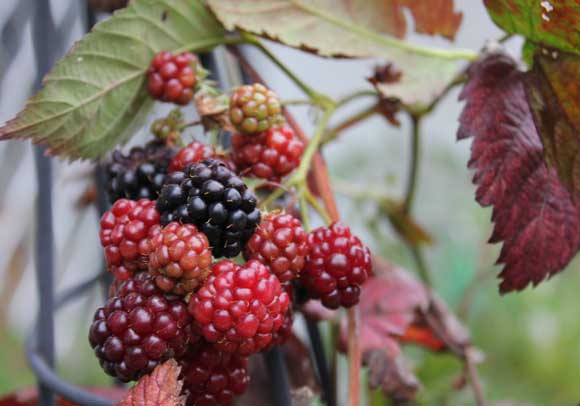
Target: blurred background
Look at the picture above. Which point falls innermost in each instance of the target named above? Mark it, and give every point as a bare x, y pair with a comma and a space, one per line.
530, 339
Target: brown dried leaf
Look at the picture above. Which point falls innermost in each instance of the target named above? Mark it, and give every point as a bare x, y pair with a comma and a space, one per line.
391, 374
213, 110
161, 388
404, 224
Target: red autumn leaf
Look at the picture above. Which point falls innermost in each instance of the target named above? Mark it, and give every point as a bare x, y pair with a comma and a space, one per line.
554, 99
391, 374
161, 388
533, 213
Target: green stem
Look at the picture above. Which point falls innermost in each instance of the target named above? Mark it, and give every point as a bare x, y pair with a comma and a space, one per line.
304, 211
315, 204
209, 43
422, 269
295, 102
313, 144
414, 163
349, 122
356, 95
317, 98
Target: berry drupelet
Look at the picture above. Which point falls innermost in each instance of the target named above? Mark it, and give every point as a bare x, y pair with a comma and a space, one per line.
192, 153
280, 243
139, 328
139, 173
210, 196
239, 310
270, 155
336, 266
254, 108
180, 258
212, 377
172, 78
126, 232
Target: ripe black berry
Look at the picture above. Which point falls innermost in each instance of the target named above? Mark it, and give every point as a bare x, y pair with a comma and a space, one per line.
138, 174
212, 197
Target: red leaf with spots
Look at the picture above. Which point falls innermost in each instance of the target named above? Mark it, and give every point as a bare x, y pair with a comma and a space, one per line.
161, 387
533, 212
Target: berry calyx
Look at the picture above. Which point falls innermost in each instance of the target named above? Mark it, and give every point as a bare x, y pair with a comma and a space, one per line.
169, 128
180, 258
139, 173
139, 328
336, 266
280, 243
254, 108
192, 153
240, 310
212, 197
126, 232
172, 78
212, 377
269, 155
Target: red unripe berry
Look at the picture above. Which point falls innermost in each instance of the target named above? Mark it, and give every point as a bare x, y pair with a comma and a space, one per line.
126, 232
269, 155
212, 377
194, 152
280, 243
171, 78
240, 309
336, 266
180, 258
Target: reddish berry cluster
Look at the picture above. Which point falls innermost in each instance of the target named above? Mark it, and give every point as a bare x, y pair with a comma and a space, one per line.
180, 258
212, 377
171, 78
240, 309
126, 230
280, 243
269, 155
139, 328
336, 266
168, 299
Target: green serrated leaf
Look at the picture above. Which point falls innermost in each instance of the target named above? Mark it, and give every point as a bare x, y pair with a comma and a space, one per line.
554, 23
95, 97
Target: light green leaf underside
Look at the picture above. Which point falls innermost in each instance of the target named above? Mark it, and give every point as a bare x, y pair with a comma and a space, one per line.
335, 28
95, 97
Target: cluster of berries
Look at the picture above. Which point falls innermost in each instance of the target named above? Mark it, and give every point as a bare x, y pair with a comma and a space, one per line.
176, 218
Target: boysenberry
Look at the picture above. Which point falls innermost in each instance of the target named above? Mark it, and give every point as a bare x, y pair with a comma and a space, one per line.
139, 328
172, 78
210, 196
180, 258
280, 243
270, 155
240, 310
337, 264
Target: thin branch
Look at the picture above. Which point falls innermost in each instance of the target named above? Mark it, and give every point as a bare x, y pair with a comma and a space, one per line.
414, 163
354, 356
349, 122
356, 95
474, 378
